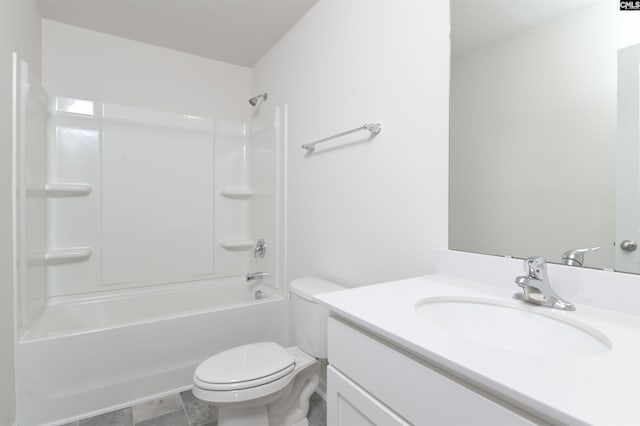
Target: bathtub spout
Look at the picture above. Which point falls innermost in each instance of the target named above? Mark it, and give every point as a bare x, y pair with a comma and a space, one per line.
257, 276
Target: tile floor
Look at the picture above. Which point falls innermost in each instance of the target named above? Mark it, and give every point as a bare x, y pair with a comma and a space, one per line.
182, 409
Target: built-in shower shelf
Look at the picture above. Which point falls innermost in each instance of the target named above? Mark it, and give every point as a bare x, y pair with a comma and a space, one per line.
73, 254
237, 193
68, 189
238, 245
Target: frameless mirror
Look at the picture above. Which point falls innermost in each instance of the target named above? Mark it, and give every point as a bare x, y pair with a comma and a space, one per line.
544, 154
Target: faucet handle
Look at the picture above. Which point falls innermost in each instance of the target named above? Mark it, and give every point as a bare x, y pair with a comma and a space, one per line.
260, 249
575, 257
536, 267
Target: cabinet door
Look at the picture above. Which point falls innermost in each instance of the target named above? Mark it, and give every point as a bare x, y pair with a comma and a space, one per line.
350, 405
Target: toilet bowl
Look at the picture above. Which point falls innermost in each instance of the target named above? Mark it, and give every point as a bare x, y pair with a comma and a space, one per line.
264, 384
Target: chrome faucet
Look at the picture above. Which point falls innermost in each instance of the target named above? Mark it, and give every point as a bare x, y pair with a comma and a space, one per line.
256, 275
536, 287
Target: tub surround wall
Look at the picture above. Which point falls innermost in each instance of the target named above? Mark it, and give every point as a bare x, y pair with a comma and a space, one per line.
19, 32
374, 210
127, 220
231, 167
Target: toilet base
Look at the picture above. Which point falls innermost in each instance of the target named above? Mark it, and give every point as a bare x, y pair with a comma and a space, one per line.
250, 416
243, 416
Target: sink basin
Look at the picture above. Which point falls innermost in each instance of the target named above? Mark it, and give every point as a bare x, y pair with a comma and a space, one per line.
511, 328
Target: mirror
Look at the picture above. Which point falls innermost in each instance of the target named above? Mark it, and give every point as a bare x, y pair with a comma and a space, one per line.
535, 118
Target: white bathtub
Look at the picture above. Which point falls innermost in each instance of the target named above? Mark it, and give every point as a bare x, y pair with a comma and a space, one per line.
87, 355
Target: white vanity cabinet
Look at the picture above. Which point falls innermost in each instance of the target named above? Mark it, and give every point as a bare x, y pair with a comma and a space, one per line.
372, 383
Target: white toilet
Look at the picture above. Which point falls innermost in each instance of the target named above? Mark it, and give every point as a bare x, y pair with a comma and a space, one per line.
264, 384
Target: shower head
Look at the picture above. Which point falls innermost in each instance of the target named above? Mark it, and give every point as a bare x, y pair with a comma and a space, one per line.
254, 101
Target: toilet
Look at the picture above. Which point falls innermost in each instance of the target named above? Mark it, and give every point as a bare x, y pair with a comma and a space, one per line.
264, 384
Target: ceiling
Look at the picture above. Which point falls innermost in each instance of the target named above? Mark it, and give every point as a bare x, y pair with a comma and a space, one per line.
476, 23
234, 31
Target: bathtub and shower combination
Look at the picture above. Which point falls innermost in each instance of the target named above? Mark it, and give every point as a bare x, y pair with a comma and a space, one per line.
121, 310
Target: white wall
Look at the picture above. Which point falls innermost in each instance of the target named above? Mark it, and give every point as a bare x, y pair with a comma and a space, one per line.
86, 64
533, 164
19, 31
373, 210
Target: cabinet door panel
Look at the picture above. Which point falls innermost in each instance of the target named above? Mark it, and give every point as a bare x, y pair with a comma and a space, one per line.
350, 405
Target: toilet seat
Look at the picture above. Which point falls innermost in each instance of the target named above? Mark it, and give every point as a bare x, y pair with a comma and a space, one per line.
244, 367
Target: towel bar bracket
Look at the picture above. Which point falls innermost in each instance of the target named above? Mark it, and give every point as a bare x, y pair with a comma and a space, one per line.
373, 127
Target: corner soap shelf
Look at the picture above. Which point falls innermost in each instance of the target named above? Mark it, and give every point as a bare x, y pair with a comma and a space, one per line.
68, 189
237, 245
73, 254
237, 193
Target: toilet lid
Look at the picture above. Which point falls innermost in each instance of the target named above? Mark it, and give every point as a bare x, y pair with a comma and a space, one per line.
245, 366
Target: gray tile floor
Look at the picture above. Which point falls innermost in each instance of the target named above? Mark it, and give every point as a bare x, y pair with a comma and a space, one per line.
182, 409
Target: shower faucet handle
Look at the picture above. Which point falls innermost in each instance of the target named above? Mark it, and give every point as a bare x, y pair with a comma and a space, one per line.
261, 248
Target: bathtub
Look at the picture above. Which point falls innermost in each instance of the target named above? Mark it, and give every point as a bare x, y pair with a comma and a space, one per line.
88, 355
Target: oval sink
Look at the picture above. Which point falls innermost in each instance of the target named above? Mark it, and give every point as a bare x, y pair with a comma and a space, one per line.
511, 328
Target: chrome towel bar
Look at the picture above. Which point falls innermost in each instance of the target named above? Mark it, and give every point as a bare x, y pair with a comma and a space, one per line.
374, 128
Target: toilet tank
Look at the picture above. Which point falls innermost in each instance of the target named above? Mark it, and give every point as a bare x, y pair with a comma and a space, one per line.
309, 319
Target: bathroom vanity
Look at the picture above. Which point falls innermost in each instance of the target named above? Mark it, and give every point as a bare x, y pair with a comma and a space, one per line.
444, 350
363, 366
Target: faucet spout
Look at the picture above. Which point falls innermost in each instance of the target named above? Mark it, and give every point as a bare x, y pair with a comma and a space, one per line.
254, 276
536, 287
522, 281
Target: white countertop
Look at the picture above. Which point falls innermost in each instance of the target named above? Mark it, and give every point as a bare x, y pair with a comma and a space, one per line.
601, 389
